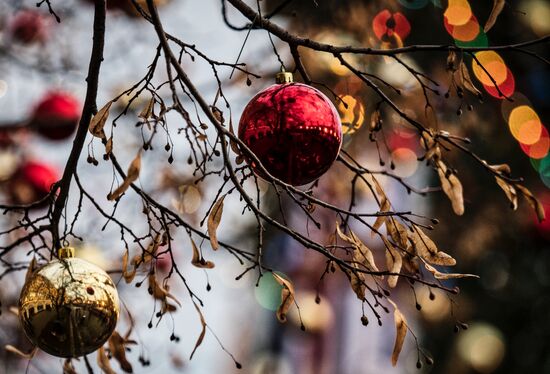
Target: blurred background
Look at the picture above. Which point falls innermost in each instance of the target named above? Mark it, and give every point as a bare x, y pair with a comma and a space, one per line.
43, 65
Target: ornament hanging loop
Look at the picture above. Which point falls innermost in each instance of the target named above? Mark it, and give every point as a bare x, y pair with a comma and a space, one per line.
284, 77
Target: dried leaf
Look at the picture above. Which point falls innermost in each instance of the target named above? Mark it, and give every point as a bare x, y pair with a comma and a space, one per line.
103, 361
131, 175
128, 275
203, 331
380, 220
287, 297
427, 249
232, 143
198, 260
214, 219
98, 121
398, 232
438, 275
533, 202
498, 6
394, 262
431, 117
30, 270
375, 121
509, 190
12, 349
68, 367
452, 187
401, 332
159, 292
109, 146
451, 61
118, 350
466, 81
147, 111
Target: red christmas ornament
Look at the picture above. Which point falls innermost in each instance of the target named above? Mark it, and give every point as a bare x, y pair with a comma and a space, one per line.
32, 182
293, 129
29, 26
56, 115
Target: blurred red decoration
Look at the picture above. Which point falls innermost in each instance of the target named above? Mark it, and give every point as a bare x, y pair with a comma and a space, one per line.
385, 24
29, 26
32, 182
56, 115
294, 130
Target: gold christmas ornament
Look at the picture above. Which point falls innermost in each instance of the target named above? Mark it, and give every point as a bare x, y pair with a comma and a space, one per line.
69, 307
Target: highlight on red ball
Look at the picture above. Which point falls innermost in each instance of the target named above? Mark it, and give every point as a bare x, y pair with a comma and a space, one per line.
56, 116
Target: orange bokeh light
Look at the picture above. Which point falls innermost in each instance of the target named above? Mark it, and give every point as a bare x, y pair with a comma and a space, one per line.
539, 149
495, 66
507, 87
405, 161
525, 125
458, 12
464, 33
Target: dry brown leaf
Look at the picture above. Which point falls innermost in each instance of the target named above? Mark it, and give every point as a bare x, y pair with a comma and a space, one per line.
214, 219
431, 117
398, 232
509, 190
380, 220
118, 351
451, 62
131, 175
401, 332
103, 361
439, 275
533, 202
128, 275
498, 6
109, 146
362, 254
159, 292
12, 349
375, 121
198, 260
427, 249
287, 297
452, 187
147, 111
394, 262
68, 367
232, 143
466, 81
30, 270
98, 121
203, 331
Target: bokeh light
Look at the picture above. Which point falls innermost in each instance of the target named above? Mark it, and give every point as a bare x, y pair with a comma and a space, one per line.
405, 162
507, 87
482, 346
493, 64
268, 292
539, 149
414, 4
525, 125
316, 317
385, 24
458, 12
538, 12
353, 116
463, 33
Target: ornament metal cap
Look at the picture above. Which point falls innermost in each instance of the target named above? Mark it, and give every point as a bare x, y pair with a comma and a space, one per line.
284, 77
65, 252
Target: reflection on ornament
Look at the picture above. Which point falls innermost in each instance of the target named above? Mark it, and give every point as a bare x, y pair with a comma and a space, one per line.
32, 182
56, 116
294, 130
29, 26
69, 307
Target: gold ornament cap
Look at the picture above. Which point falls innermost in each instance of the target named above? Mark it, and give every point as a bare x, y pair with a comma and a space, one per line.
65, 252
284, 77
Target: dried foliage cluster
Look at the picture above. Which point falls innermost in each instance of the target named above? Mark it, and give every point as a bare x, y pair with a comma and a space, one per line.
218, 157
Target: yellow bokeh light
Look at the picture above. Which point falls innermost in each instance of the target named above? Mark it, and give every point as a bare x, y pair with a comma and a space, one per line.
525, 124
458, 12
495, 66
482, 347
353, 116
405, 162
